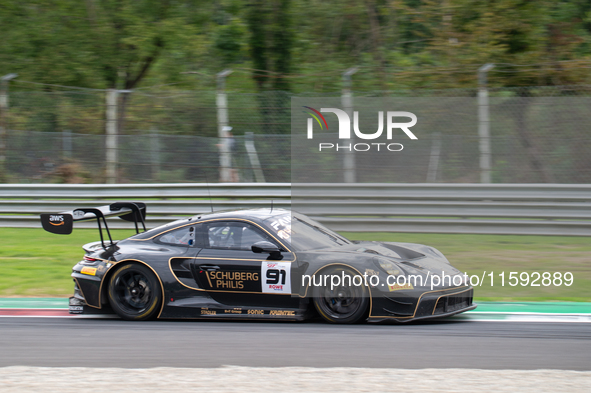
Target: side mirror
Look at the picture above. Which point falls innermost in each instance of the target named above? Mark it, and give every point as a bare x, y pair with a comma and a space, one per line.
264, 246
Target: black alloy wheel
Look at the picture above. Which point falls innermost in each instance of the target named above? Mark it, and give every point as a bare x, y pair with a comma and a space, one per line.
135, 292
344, 303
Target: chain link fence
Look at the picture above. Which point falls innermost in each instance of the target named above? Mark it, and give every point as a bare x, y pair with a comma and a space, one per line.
538, 135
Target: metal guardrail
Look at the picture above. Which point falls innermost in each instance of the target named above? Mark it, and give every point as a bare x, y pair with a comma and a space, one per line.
535, 209
143, 191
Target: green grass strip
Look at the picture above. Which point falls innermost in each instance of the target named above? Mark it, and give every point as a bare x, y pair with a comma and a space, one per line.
35, 263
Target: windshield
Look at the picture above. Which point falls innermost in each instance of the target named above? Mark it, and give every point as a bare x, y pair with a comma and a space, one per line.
304, 233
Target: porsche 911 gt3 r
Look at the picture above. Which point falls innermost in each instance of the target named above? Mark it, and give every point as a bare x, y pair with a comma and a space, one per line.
255, 264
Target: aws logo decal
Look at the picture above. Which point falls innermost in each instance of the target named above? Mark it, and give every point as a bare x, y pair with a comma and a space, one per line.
59, 223
345, 129
56, 220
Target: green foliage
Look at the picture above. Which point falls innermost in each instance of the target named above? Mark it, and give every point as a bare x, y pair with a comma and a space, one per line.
229, 42
271, 42
281, 44
295, 46
95, 43
256, 16
169, 52
124, 43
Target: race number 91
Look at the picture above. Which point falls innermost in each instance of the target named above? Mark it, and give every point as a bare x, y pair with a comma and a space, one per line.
273, 276
277, 278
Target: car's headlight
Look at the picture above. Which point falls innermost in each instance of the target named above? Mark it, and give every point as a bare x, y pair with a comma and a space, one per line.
389, 267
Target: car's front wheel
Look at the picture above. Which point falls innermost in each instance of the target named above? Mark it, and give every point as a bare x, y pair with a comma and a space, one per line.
134, 292
346, 302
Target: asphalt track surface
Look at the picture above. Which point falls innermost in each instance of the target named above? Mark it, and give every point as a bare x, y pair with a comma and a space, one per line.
70, 342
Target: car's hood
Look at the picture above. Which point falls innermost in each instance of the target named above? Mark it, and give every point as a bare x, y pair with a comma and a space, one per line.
413, 258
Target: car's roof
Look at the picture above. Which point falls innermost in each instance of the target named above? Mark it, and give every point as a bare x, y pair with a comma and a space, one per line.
252, 214
259, 214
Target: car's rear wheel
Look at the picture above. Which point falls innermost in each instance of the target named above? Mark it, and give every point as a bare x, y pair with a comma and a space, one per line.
134, 292
343, 303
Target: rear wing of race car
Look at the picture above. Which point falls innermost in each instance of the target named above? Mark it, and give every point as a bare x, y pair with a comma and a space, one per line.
63, 223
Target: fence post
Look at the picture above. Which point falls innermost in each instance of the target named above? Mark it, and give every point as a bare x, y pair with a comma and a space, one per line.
155, 155
67, 144
111, 136
434, 158
253, 157
484, 124
223, 129
347, 102
4, 120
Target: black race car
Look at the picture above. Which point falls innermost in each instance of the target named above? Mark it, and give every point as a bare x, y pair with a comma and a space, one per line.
256, 264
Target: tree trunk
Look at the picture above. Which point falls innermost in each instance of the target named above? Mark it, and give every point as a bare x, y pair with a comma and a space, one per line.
376, 39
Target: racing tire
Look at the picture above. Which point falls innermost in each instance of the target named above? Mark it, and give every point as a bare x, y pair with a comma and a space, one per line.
135, 293
343, 303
